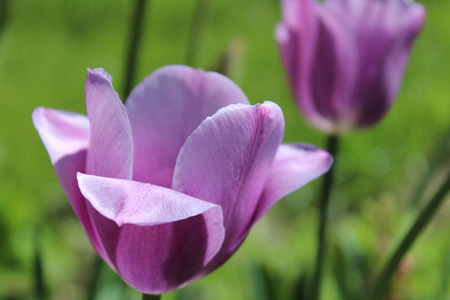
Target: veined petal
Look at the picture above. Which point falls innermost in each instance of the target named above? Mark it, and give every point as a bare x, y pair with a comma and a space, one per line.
226, 161
144, 204
386, 32
111, 146
166, 108
294, 166
66, 138
157, 239
63, 133
289, 48
412, 21
334, 70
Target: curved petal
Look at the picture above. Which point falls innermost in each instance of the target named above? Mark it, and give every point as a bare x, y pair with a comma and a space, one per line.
111, 146
409, 26
157, 239
386, 32
132, 202
226, 161
166, 108
289, 51
66, 138
62, 132
333, 75
297, 37
294, 166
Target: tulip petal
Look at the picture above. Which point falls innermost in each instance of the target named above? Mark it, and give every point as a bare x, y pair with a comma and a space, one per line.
66, 138
226, 161
62, 132
288, 48
384, 32
410, 25
392, 34
157, 239
297, 36
111, 146
335, 67
294, 166
132, 202
166, 108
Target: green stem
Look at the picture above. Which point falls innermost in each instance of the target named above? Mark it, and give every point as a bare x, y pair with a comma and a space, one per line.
94, 276
39, 293
150, 297
383, 280
4, 10
332, 147
133, 46
440, 156
198, 20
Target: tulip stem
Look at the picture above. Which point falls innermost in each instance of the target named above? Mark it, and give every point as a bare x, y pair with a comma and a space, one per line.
150, 297
4, 10
94, 276
133, 46
197, 25
327, 183
39, 292
383, 280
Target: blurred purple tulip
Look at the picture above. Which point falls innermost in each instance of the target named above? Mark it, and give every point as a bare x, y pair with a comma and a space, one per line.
175, 179
345, 59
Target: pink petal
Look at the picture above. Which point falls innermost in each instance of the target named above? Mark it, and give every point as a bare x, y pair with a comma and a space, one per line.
166, 108
62, 132
297, 36
335, 67
295, 165
157, 239
384, 32
111, 146
144, 204
411, 24
66, 138
288, 48
226, 161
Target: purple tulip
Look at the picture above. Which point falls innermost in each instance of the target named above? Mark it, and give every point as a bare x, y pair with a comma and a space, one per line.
175, 179
345, 59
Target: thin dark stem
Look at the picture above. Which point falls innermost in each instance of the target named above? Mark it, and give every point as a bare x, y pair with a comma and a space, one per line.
133, 46
332, 147
39, 292
4, 10
93, 280
150, 297
383, 280
198, 20
440, 156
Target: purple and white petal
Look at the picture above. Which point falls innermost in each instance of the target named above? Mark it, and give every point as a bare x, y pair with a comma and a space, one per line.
166, 108
66, 138
157, 239
294, 166
226, 161
111, 145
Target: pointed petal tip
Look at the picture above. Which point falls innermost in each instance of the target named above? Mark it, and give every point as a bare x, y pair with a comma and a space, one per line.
271, 111
324, 159
37, 114
142, 204
421, 17
281, 33
99, 72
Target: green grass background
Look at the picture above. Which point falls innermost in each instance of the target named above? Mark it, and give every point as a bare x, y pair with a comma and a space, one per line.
45, 49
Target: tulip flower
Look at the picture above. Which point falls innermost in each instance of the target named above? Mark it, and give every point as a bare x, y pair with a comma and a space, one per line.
345, 59
168, 186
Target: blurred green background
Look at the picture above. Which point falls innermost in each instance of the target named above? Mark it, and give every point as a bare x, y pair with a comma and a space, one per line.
45, 48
